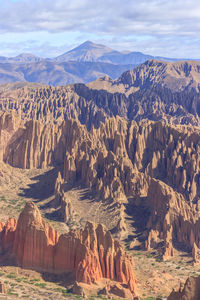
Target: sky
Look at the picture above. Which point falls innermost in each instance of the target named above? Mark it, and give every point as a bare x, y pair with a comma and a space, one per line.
49, 28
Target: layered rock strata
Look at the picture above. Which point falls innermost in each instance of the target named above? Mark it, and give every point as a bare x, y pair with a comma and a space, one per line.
91, 253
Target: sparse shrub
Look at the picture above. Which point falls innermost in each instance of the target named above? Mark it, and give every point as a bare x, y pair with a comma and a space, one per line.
11, 275
41, 284
3, 198
149, 255
159, 260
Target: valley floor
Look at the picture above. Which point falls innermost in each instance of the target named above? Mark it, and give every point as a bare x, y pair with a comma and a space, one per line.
155, 277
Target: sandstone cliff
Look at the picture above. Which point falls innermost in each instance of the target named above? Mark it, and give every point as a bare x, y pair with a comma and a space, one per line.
90, 254
190, 291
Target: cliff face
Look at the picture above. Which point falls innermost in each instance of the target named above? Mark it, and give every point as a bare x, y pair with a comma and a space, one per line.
113, 158
9, 124
90, 253
190, 291
119, 160
172, 219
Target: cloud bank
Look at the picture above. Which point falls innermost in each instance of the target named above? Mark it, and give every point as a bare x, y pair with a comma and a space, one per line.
150, 25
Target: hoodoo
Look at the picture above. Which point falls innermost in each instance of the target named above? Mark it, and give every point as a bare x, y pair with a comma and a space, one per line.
91, 253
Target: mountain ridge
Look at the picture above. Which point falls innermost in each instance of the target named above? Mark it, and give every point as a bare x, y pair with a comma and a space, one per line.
174, 75
89, 51
154, 91
81, 64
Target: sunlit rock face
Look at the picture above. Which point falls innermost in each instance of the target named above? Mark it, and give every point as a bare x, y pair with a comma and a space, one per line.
91, 253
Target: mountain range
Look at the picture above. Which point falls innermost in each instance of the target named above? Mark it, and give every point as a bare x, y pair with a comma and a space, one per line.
82, 64
122, 153
154, 90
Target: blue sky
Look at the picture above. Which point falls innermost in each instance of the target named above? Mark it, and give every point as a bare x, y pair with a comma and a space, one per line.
48, 28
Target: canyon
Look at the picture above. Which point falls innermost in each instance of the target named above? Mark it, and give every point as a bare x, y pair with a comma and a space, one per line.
133, 144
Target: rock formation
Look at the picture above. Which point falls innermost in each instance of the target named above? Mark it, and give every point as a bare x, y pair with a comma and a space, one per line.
129, 141
58, 190
90, 254
2, 288
117, 161
172, 218
119, 291
196, 254
190, 291
7, 233
66, 210
78, 290
155, 90
116, 158
121, 227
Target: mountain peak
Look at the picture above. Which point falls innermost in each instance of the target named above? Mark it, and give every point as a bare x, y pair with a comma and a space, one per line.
30, 215
87, 51
91, 45
87, 43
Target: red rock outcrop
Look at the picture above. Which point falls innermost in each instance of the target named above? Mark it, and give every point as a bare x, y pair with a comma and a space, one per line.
190, 291
8, 232
34, 241
90, 254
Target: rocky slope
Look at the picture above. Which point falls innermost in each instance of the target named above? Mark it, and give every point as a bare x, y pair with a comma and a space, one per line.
90, 254
58, 73
155, 90
189, 291
120, 161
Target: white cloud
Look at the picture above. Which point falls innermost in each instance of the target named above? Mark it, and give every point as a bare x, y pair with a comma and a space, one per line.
171, 24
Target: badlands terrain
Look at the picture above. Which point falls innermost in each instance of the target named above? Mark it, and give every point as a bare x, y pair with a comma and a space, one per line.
100, 186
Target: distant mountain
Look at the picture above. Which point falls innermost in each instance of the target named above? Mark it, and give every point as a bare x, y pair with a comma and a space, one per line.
85, 63
87, 51
90, 51
22, 58
52, 73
